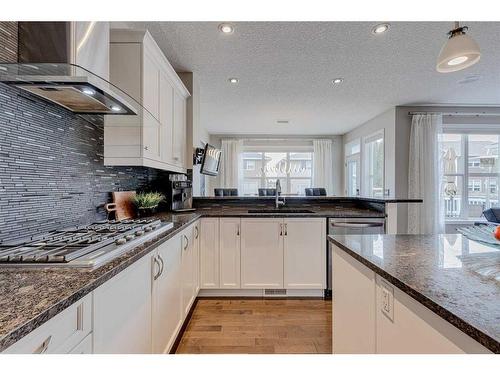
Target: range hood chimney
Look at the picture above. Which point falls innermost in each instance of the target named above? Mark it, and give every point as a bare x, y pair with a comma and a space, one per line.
46, 68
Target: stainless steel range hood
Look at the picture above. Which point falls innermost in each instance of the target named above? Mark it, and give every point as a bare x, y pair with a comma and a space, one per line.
70, 86
50, 60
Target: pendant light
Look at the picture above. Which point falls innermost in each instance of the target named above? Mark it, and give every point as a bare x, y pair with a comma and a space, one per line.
459, 52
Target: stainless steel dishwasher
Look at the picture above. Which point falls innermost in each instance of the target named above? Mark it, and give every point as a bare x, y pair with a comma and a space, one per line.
372, 225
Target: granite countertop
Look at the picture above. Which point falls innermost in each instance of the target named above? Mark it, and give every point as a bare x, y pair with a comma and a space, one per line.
456, 278
314, 198
31, 296
318, 211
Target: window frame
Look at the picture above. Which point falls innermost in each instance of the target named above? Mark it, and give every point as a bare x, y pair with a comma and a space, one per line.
465, 132
281, 149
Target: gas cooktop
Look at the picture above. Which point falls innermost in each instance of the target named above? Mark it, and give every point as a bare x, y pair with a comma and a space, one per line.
81, 246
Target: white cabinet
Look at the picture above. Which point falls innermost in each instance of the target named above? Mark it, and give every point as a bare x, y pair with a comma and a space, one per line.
187, 258
166, 119
122, 311
84, 347
261, 253
354, 305
414, 329
209, 253
196, 258
229, 254
167, 296
156, 137
179, 131
61, 334
305, 253
370, 316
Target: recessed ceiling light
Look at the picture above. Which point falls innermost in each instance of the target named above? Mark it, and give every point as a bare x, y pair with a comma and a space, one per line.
226, 28
233, 80
116, 108
337, 81
88, 91
380, 28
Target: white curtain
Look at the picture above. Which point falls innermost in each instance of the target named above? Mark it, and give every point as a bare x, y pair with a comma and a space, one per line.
231, 164
323, 165
425, 175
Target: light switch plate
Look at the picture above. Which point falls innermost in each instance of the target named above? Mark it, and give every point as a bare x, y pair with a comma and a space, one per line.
387, 300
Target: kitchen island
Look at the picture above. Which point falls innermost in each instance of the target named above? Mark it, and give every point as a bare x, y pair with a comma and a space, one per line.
415, 294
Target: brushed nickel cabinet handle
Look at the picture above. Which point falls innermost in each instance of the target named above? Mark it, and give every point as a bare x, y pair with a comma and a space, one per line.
44, 346
162, 265
281, 229
197, 232
157, 263
237, 229
286, 230
187, 242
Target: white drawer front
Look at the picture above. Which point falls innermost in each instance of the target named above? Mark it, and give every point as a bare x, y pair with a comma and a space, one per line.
60, 334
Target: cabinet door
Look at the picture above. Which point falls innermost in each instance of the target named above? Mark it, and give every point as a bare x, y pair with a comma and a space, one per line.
166, 118
167, 298
179, 138
122, 311
196, 258
84, 347
305, 253
261, 253
151, 137
230, 253
209, 253
187, 270
151, 82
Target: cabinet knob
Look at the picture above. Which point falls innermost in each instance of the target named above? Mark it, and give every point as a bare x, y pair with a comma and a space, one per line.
146, 148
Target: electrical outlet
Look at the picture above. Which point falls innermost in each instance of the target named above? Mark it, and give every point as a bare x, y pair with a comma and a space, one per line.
387, 299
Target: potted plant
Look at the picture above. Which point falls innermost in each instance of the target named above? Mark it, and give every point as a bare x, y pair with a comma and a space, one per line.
146, 203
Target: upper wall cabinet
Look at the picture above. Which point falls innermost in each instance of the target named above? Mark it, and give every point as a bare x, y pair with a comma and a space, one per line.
156, 138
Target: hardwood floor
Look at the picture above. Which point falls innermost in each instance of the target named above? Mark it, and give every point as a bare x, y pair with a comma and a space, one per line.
220, 326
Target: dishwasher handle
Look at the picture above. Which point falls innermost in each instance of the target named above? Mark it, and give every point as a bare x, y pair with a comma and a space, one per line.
356, 225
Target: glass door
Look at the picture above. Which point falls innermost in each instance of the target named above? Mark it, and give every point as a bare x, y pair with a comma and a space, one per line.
352, 173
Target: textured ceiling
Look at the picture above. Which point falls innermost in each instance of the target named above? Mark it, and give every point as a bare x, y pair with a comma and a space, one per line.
285, 71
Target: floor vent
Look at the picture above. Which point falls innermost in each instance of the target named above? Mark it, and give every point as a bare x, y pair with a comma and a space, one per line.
275, 292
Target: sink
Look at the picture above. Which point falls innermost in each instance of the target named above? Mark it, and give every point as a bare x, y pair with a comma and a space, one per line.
280, 211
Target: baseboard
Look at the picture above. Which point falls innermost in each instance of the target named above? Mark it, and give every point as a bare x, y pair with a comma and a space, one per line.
261, 293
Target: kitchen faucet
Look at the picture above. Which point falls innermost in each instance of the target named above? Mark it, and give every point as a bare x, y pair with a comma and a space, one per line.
278, 192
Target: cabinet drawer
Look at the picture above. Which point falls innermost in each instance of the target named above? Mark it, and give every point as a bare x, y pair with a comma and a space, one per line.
60, 334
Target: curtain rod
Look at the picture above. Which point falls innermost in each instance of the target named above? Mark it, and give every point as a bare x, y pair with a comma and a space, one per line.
454, 113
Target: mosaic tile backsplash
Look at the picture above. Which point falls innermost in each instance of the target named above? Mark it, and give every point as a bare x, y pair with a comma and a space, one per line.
51, 168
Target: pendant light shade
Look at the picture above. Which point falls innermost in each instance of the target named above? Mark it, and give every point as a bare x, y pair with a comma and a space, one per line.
459, 52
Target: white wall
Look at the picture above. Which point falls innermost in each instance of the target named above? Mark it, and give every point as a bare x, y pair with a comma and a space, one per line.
215, 140
385, 121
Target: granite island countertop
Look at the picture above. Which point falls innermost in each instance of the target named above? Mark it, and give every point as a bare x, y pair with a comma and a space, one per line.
456, 278
31, 296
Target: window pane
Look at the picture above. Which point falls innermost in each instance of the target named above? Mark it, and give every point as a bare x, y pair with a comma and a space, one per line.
300, 164
271, 183
352, 148
251, 186
276, 164
453, 162
252, 164
483, 194
483, 153
453, 196
374, 161
298, 186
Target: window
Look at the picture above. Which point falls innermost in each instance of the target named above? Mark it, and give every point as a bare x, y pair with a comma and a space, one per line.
470, 174
352, 168
293, 169
373, 166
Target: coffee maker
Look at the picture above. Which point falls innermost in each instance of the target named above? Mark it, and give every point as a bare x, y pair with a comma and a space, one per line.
180, 193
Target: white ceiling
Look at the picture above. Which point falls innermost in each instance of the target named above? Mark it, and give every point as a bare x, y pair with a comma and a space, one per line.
285, 71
